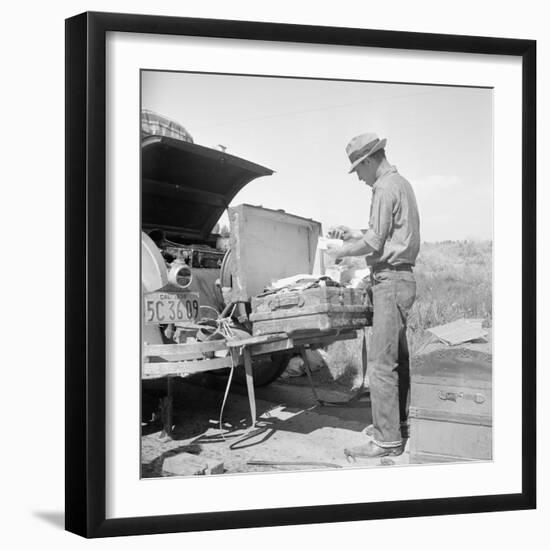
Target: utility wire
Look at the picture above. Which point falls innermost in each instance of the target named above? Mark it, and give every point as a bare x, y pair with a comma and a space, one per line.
318, 109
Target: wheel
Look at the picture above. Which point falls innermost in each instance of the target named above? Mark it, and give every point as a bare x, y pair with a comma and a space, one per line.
265, 368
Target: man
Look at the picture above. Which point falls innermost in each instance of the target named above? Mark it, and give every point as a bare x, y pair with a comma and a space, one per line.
391, 245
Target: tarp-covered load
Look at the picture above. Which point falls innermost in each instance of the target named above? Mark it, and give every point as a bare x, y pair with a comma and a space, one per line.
187, 187
153, 124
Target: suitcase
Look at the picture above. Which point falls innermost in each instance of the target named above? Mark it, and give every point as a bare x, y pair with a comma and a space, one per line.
451, 406
311, 310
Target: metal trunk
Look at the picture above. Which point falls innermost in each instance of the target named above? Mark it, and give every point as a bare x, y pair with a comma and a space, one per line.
451, 406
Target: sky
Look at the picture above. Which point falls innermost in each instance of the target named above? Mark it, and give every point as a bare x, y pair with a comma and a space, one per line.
439, 138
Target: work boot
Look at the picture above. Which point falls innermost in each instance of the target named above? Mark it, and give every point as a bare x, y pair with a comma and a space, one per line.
372, 450
369, 430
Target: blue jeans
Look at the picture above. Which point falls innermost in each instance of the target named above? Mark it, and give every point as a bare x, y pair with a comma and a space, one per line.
393, 294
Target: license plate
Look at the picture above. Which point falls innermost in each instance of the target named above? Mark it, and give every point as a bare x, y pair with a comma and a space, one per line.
172, 307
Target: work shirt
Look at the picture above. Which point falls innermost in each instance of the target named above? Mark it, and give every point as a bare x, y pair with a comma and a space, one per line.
394, 225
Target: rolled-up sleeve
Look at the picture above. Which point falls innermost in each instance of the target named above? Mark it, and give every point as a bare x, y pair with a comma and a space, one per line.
381, 216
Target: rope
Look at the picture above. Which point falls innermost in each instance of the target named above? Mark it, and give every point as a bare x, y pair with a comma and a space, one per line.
223, 328
209, 328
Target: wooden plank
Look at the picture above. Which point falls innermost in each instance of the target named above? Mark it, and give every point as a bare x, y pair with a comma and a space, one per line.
166, 350
325, 339
291, 343
272, 347
179, 368
262, 339
250, 385
259, 345
167, 408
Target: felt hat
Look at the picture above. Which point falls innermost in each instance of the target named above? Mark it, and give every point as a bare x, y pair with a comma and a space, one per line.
362, 146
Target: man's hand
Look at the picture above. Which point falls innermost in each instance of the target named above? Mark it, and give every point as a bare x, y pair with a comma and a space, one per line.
344, 232
334, 251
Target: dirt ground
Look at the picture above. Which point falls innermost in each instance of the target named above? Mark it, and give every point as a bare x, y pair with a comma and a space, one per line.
291, 427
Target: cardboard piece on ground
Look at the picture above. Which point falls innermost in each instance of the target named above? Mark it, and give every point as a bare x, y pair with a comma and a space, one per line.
458, 332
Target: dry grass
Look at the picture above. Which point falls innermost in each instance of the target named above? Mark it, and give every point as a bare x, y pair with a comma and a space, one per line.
454, 281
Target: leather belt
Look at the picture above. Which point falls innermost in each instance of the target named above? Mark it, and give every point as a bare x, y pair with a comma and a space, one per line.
388, 267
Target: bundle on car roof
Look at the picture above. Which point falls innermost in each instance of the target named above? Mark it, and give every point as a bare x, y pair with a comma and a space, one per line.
153, 124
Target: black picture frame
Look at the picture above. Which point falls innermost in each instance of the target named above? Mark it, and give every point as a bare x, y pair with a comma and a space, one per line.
86, 263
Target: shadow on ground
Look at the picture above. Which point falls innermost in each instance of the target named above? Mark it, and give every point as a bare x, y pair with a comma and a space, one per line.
290, 424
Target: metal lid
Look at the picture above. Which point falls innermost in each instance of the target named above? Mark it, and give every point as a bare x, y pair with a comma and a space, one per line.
459, 366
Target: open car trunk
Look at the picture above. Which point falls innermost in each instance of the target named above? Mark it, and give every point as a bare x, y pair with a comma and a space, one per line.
186, 187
